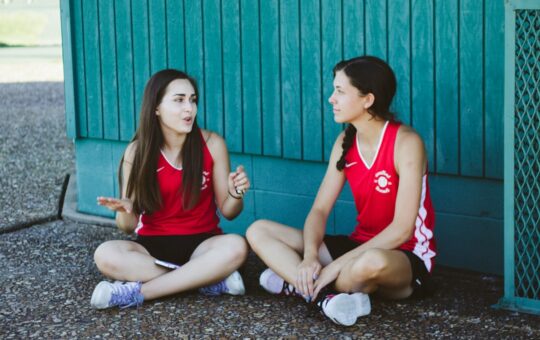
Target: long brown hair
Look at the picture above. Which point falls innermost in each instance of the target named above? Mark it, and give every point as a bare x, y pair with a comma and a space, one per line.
369, 75
142, 185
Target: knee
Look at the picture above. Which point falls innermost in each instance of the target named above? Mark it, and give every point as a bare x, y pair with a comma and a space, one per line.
237, 249
369, 265
104, 259
257, 232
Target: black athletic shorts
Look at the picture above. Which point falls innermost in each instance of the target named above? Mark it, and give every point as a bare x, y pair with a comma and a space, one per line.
340, 244
176, 249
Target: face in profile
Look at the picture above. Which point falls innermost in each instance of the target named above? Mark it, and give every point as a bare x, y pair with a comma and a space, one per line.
178, 108
347, 102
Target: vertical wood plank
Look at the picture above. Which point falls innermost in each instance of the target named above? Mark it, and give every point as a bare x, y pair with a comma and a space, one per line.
141, 51
232, 75
290, 78
73, 66
376, 32
79, 72
399, 56
109, 80
332, 42
494, 88
422, 73
270, 78
69, 68
175, 34
251, 76
212, 66
158, 35
195, 53
312, 138
93, 68
471, 74
124, 42
446, 97
353, 28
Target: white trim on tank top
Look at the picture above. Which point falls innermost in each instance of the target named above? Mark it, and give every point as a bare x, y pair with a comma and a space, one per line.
381, 137
163, 154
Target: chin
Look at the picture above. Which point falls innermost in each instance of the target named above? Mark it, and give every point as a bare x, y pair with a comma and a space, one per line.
338, 119
183, 130
187, 129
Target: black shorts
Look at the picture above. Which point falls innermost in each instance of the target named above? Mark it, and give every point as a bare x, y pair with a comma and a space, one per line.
340, 244
176, 249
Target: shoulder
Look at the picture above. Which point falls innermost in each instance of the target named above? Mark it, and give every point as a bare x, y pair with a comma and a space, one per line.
214, 142
129, 154
409, 149
408, 140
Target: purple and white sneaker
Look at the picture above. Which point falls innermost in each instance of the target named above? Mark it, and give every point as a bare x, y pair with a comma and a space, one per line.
232, 285
121, 294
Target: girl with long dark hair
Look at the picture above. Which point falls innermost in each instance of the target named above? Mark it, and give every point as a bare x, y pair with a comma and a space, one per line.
391, 250
173, 178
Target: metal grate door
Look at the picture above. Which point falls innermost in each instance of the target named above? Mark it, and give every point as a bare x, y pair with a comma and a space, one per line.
522, 157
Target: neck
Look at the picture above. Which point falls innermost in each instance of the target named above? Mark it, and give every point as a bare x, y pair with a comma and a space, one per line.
173, 142
369, 128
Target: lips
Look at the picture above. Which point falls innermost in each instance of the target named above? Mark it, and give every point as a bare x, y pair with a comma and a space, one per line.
188, 119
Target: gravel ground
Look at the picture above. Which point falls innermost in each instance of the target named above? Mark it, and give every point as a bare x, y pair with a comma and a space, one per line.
47, 277
47, 273
35, 154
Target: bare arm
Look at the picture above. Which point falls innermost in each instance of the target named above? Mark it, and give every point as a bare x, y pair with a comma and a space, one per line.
315, 225
331, 186
126, 220
226, 182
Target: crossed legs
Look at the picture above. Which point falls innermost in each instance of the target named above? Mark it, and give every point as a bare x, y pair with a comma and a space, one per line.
387, 272
213, 260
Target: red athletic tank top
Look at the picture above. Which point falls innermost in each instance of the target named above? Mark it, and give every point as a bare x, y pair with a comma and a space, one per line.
172, 219
375, 191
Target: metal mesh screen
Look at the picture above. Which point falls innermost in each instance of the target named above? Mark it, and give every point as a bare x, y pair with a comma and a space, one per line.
527, 155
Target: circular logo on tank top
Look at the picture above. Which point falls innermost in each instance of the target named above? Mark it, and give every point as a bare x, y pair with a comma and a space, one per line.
205, 180
382, 181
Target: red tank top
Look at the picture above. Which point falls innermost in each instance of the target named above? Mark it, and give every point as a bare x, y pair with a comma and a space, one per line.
172, 219
375, 191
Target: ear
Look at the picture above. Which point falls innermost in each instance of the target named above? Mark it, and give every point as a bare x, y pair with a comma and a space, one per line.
369, 100
157, 111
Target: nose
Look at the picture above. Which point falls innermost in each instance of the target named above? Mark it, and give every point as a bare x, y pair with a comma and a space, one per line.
331, 99
188, 106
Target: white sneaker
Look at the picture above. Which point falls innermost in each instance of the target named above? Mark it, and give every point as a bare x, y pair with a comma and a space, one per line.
232, 285
120, 294
235, 284
344, 309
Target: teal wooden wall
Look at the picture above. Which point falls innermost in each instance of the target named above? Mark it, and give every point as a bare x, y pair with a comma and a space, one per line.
264, 71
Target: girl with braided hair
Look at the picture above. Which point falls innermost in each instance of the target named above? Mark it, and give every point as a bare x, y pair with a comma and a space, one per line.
391, 250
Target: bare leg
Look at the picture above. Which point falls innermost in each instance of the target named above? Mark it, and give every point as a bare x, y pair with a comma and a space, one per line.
387, 272
281, 247
126, 261
212, 261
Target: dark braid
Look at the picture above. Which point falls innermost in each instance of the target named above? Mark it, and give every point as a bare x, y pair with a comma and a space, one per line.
348, 140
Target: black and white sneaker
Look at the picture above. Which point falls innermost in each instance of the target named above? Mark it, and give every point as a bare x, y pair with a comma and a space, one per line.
274, 284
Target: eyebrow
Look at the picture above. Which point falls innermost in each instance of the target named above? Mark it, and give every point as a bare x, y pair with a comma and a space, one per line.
183, 95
